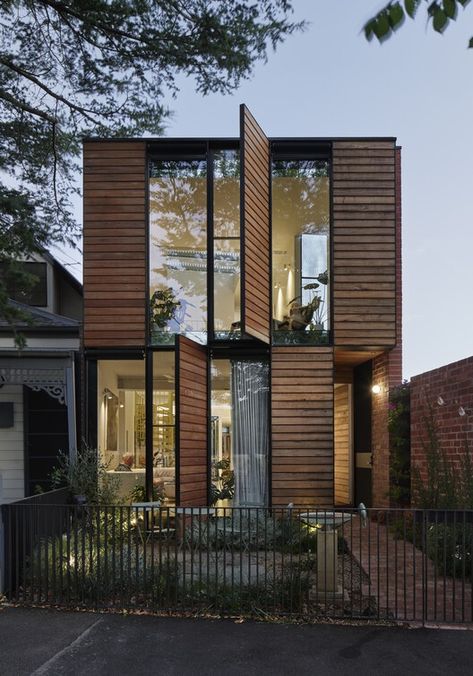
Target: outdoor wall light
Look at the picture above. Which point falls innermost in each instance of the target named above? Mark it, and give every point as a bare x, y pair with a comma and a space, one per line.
440, 401
376, 389
464, 411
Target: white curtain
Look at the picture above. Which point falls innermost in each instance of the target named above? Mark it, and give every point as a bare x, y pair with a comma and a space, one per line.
249, 386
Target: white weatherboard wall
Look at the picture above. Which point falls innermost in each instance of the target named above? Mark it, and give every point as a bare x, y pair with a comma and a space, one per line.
12, 485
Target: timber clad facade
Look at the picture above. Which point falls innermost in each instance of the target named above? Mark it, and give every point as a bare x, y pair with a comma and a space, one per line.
271, 271
302, 425
114, 244
364, 243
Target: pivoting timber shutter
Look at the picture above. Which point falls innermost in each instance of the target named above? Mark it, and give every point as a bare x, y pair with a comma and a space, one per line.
114, 243
255, 227
192, 398
302, 426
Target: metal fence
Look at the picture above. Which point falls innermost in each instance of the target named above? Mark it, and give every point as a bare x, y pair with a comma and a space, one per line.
404, 565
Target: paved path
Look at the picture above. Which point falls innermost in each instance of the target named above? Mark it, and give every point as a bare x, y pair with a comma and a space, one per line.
398, 571
58, 643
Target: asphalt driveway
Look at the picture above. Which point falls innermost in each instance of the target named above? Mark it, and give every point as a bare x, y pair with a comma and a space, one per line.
49, 642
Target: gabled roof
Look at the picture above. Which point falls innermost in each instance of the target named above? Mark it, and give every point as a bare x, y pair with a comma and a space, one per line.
63, 270
40, 319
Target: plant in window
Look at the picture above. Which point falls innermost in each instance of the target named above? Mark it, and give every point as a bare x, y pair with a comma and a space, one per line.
301, 316
223, 486
163, 306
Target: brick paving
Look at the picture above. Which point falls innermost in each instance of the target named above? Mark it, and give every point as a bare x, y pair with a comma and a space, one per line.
404, 582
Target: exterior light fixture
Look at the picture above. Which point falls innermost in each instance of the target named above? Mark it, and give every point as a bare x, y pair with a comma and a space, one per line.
376, 389
440, 401
461, 411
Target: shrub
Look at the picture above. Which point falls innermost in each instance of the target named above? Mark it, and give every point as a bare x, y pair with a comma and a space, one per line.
449, 546
399, 423
86, 476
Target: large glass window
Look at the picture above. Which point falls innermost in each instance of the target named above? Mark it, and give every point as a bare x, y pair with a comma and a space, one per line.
164, 409
240, 432
121, 421
178, 249
122, 424
300, 251
226, 244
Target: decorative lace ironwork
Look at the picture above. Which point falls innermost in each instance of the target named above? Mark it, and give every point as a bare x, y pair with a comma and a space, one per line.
51, 381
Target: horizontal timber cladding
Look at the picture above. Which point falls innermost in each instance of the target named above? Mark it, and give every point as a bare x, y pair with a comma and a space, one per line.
302, 426
114, 243
192, 419
364, 243
255, 227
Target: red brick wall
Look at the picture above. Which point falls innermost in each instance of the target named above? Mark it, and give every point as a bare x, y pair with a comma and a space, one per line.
454, 384
387, 372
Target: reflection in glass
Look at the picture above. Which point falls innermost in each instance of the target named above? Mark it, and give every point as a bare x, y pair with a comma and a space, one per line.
121, 421
226, 223
164, 450
240, 433
178, 249
300, 251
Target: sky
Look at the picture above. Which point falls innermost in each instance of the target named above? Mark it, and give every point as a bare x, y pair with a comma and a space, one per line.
329, 81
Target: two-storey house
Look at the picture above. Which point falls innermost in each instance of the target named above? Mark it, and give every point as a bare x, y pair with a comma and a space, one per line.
242, 301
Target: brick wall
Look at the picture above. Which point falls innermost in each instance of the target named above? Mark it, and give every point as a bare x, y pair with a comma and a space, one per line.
387, 372
453, 383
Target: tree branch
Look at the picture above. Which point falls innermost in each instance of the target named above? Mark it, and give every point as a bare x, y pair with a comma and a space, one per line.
21, 105
29, 76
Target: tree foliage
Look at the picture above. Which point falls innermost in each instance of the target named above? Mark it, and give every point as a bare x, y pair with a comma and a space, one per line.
391, 17
74, 68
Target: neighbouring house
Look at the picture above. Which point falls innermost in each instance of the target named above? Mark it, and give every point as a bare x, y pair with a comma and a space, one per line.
445, 396
242, 305
38, 413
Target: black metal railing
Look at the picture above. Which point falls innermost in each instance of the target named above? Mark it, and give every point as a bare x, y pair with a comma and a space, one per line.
390, 564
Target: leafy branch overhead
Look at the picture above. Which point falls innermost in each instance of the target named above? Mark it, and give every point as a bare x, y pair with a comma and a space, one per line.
74, 68
392, 16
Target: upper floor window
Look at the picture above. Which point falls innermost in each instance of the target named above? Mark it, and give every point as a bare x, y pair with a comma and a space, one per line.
226, 244
300, 251
178, 249
194, 226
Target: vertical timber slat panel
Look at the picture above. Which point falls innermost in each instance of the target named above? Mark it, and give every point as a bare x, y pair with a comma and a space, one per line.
364, 243
302, 426
342, 444
193, 422
114, 243
255, 227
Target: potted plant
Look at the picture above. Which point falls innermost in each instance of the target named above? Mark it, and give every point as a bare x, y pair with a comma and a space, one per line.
163, 306
223, 486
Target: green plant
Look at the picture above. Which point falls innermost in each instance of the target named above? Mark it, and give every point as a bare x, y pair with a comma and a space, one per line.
399, 425
449, 547
163, 306
138, 494
86, 476
223, 486
443, 487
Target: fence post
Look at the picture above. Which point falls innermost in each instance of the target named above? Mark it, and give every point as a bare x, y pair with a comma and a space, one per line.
2, 552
